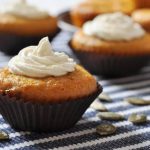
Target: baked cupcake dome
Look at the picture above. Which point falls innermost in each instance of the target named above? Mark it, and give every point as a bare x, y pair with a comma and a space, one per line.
72, 86
142, 16
47, 92
20, 28
112, 45
84, 43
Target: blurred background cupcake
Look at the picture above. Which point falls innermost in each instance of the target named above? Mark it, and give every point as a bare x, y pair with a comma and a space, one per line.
142, 16
112, 45
23, 24
88, 9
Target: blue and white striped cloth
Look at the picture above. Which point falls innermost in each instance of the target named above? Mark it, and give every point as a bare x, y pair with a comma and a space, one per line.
82, 135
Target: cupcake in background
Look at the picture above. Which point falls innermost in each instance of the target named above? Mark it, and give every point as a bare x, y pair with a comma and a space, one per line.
89, 9
112, 45
43, 90
22, 24
142, 16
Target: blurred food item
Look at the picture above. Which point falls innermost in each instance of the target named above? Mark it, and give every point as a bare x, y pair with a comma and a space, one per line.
142, 16
22, 24
112, 45
88, 9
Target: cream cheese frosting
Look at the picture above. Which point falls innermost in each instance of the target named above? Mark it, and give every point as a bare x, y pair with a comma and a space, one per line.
22, 9
41, 61
113, 27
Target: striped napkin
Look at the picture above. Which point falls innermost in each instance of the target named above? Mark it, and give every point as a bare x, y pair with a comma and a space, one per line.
83, 136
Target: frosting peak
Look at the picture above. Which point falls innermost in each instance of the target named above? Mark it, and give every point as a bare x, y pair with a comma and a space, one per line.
115, 27
40, 61
23, 9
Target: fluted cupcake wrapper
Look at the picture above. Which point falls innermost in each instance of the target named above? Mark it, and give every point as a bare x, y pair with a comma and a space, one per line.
111, 65
11, 44
29, 116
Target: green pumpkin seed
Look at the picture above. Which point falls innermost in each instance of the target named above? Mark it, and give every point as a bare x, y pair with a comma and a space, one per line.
137, 101
106, 129
137, 118
104, 97
110, 116
98, 106
3, 135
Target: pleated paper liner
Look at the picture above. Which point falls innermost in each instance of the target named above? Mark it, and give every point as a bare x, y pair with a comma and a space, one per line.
29, 116
111, 65
11, 44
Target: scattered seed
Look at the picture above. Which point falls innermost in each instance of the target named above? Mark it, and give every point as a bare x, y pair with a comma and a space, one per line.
110, 116
106, 129
137, 118
98, 106
3, 135
104, 97
137, 101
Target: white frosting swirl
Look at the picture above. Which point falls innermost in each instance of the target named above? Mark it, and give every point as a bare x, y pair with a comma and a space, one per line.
40, 61
22, 9
113, 27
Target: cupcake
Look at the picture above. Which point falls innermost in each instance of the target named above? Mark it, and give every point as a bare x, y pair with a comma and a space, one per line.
112, 45
89, 9
22, 24
42, 90
142, 16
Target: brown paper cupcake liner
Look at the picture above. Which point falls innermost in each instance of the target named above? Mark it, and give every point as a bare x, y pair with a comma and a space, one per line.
111, 65
29, 116
11, 44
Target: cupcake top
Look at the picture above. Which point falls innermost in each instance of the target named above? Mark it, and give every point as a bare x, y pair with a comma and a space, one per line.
21, 8
39, 74
41, 61
113, 27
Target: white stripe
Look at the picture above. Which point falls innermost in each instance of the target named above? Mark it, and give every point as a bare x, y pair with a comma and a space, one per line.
126, 112
135, 110
135, 146
128, 93
126, 79
16, 134
63, 136
122, 103
102, 140
114, 88
146, 69
97, 119
4, 126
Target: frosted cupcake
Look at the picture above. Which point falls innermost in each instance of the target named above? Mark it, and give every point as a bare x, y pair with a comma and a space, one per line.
112, 45
42, 90
22, 24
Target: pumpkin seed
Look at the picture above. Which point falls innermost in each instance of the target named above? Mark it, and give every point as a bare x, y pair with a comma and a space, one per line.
137, 118
110, 116
137, 101
104, 97
106, 129
3, 135
98, 106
